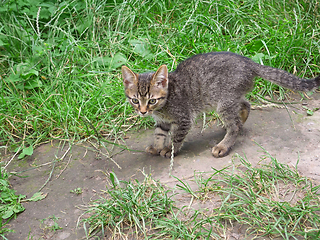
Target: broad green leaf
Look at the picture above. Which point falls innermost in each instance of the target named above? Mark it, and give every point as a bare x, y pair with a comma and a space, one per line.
18, 208
140, 47
36, 197
309, 112
13, 78
7, 214
103, 60
31, 72
21, 155
22, 68
118, 60
4, 183
112, 62
26, 151
34, 83
254, 46
8, 195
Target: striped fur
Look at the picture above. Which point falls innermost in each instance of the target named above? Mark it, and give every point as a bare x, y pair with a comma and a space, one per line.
213, 81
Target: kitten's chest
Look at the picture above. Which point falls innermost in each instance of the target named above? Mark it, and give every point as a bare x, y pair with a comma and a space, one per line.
163, 115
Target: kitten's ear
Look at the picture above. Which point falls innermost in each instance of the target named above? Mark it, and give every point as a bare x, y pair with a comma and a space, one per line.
160, 78
129, 77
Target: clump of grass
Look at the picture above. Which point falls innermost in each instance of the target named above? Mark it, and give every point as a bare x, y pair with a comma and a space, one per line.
130, 207
50, 224
144, 210
271, 199
182, 224
10, 204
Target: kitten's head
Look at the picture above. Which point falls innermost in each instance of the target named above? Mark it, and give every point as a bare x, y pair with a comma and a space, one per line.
146, 92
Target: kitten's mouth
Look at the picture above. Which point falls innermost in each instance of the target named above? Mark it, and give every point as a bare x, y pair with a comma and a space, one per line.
144, 114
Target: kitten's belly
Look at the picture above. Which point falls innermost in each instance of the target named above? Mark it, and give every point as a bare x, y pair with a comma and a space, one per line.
195, 110
208, 108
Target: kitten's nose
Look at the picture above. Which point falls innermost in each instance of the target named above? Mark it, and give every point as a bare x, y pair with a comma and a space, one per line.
143, 113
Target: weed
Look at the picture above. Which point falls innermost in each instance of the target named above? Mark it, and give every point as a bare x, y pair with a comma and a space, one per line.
186, 187
310, 112
10, 204
129, 206
269, 199
77, 191
50, 224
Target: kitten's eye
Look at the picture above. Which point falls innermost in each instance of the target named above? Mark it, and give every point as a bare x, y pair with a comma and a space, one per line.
134, 101
152, 101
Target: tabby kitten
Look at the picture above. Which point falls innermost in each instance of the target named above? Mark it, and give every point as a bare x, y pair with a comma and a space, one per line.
212, 81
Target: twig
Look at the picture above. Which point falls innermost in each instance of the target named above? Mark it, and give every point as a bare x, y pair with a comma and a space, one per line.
294, 127
41, 165
54, 164
65, 153
100, 152
64, 167
12, 158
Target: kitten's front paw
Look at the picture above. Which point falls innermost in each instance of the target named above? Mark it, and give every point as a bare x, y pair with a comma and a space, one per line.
152, 150
220, 151
166, 152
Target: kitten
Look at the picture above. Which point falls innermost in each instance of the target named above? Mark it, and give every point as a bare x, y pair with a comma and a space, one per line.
212, 81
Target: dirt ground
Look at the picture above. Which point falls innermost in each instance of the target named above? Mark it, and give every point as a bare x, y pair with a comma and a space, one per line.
286, 133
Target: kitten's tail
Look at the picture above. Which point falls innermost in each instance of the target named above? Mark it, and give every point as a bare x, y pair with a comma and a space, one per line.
286, 79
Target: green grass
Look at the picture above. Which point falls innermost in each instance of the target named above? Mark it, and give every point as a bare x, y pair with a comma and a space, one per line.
270, 200
128, 205
50, 224
60, 65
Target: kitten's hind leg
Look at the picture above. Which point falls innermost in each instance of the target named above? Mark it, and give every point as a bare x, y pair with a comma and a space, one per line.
244, 111
160, 138
233, 122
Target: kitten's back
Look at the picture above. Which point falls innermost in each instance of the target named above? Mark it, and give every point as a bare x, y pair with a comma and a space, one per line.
203, 80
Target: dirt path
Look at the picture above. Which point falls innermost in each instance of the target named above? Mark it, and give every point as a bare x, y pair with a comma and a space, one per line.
287, 134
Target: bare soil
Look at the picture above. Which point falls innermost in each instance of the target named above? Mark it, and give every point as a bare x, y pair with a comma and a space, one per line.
286, 133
